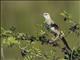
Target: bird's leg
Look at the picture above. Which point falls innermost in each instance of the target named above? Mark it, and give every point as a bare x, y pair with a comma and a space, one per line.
59, 35
56, 38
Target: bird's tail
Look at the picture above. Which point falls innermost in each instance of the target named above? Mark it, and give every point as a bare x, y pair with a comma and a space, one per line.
65, 43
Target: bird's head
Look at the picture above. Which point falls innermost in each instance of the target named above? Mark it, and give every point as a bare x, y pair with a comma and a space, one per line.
46, 15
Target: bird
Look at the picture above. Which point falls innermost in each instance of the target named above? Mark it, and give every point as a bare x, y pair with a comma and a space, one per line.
55, 29
51, 25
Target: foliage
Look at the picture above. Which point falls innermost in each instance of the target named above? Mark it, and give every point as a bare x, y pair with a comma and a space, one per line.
10, 38
74, 55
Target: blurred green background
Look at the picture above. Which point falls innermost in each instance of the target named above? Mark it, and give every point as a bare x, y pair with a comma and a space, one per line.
26, 15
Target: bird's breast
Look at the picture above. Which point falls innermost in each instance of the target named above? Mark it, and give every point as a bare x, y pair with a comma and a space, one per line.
54, 30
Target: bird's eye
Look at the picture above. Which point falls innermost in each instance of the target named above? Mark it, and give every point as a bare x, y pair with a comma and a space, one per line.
46, 14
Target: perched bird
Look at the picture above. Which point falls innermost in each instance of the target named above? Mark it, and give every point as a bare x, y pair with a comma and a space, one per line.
54, 28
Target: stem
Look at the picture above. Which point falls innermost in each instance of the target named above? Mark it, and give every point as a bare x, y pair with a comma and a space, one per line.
71, 54
2, 53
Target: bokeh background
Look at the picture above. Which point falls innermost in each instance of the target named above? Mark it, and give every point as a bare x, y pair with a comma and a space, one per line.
26, 15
